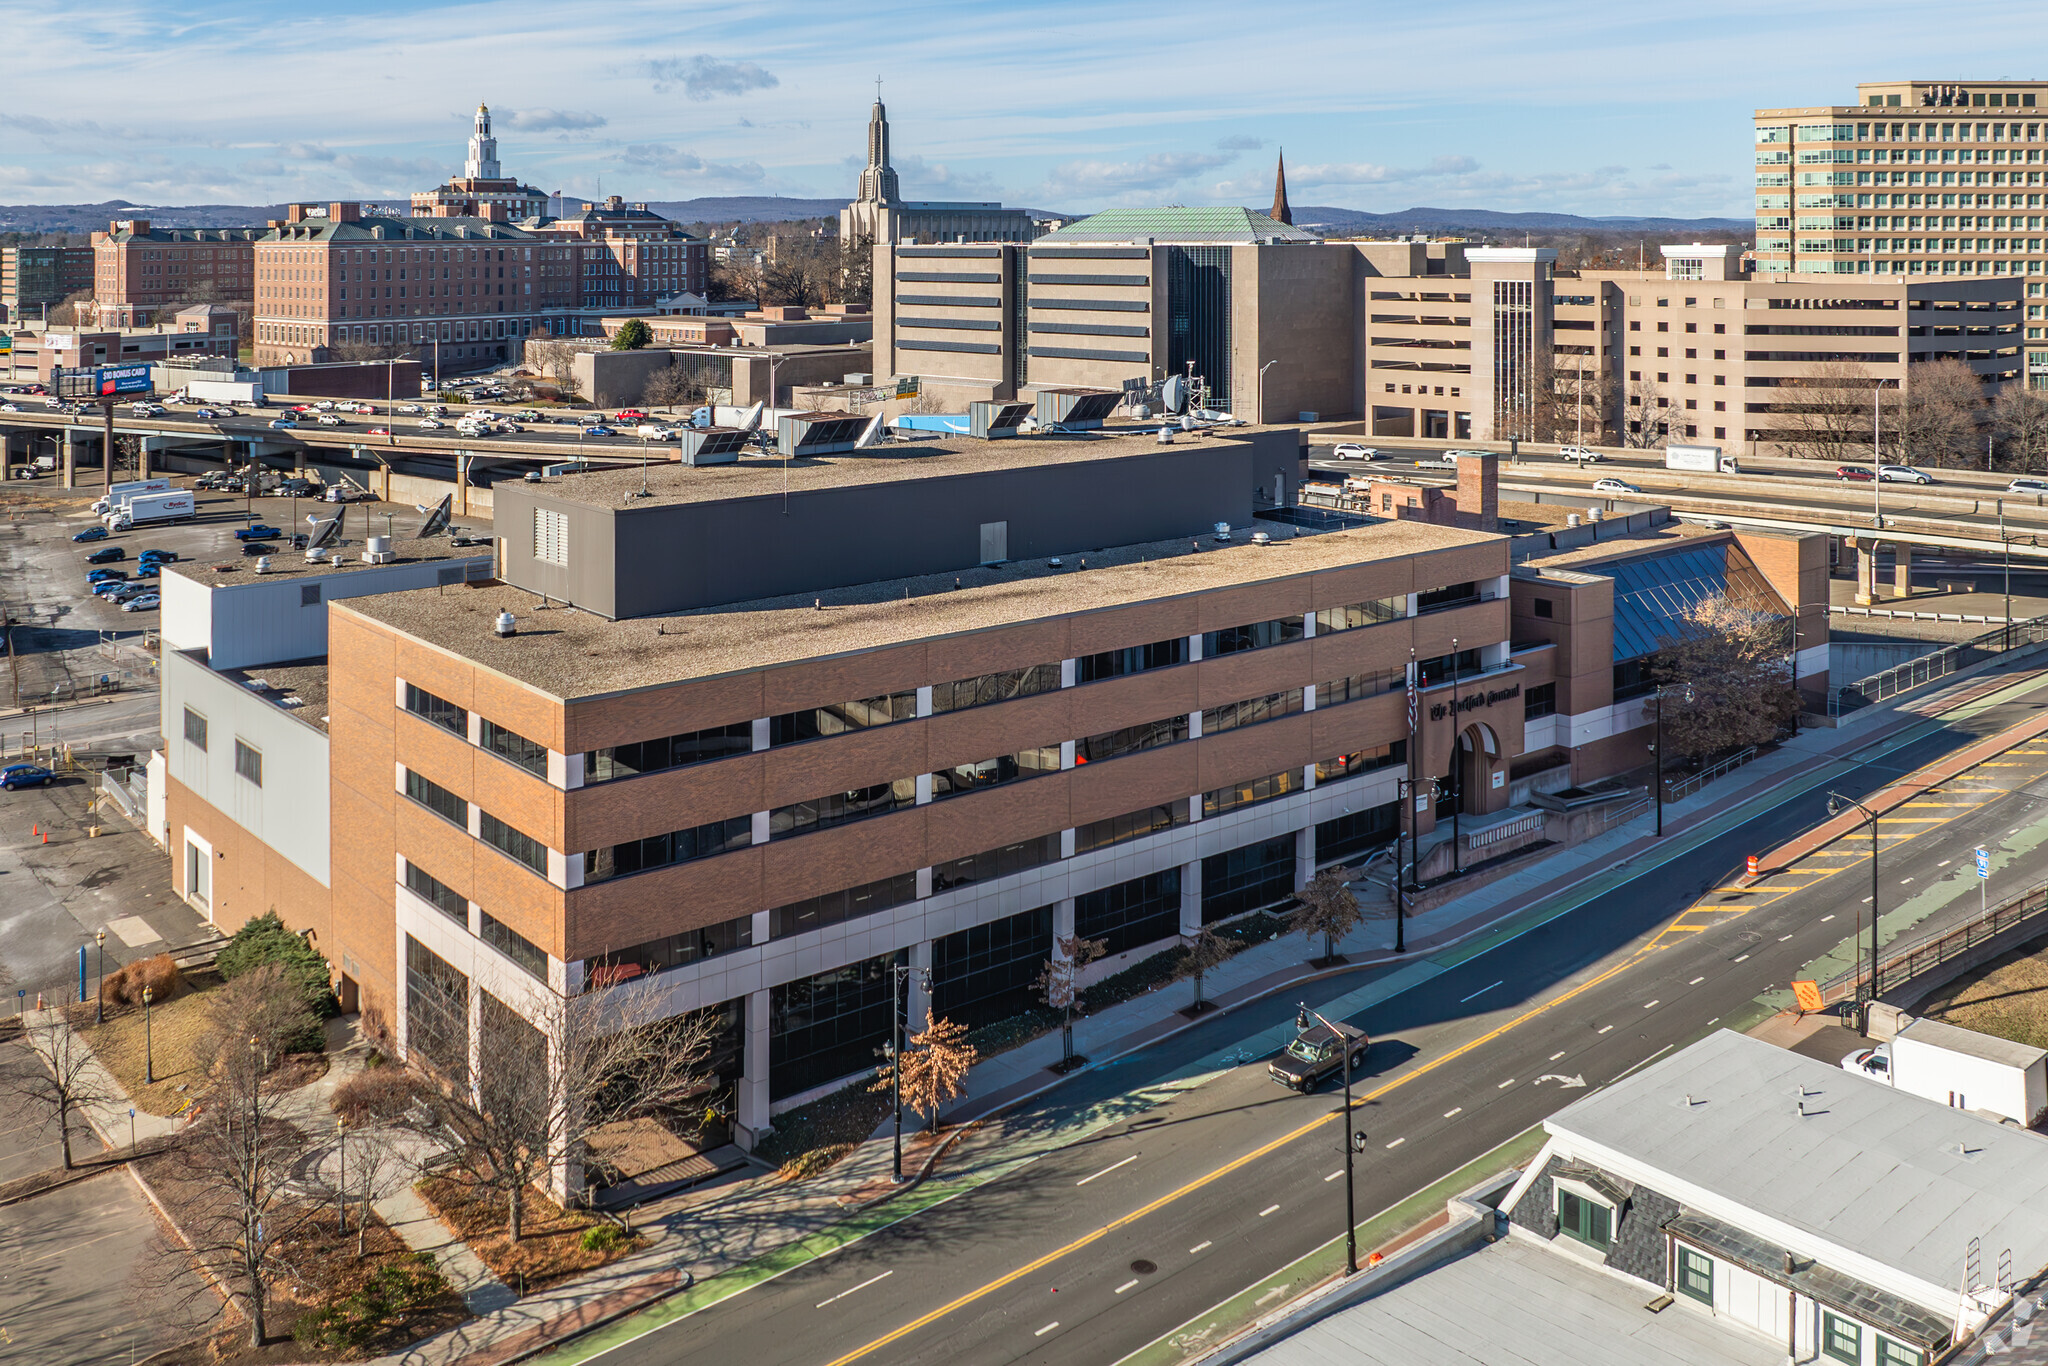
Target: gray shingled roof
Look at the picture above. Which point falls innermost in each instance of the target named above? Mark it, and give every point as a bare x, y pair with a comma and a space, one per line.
1868, 1170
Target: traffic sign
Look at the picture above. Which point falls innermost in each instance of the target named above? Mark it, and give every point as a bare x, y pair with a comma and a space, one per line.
1983, 864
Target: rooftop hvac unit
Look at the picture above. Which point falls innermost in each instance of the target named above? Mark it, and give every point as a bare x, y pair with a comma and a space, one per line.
1076, 409
263, 564
994, 421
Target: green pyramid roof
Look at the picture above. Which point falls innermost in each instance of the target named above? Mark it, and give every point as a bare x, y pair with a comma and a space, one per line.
1193, 226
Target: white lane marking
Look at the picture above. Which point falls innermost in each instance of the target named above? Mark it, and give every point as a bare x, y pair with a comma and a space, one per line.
1696, 981
1743, 959
862, 1286
1603, 1029
1332, 1177
1826, 918
1783, 937
1944, 863
1481, 992
1904, 880
1397, 1143
1107, 1170
1866, 901
1505, 1085
1276, 1290
1555, 1056
1125, 1286
1047, 1329
1270, 1209
1197, 1248
1459, 1110
1651, 1006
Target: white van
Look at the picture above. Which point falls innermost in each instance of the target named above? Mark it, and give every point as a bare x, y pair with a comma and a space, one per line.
654, 431
1583, 455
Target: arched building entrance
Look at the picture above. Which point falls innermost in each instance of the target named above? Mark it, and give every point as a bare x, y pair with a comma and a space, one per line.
1477, 755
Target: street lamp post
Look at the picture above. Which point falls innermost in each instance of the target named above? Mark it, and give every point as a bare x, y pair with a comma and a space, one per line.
1353, 1142
1457, 768
1404, 789
2005, 547
148, 1040
1260, 417
341, 1175
99, 1002
900, 972
1836, 804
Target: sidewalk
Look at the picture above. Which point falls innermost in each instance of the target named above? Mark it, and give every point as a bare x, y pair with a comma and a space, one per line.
760, 1225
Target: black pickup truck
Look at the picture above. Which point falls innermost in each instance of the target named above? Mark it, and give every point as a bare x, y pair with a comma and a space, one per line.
1317, 1054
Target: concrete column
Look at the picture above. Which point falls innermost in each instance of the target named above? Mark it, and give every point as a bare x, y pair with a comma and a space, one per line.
142, 460
1866, 575
750, 1099
1062, 924
1191, 897
917, 1002
70, 461
1902, 570
1304, 856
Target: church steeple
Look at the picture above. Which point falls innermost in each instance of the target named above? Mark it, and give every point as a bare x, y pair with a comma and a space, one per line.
878, 181
1281, 212
483, 148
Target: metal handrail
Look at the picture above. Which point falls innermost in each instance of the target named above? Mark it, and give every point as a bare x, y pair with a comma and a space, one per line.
1685, 787
1918, 672
1906, 959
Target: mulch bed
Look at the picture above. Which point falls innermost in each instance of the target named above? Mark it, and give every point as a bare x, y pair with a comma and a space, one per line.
550, 1246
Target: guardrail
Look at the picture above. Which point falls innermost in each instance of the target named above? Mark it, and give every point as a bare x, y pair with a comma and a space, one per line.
1917, 673
1685, 787
1903, 960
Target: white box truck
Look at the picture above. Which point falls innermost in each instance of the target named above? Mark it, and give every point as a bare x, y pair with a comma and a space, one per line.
119, 494
1701, 460
1970, 1071
149, 509
249, 392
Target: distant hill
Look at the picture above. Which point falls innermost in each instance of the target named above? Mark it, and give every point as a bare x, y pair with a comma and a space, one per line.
1337, 221
746, 208
84, 218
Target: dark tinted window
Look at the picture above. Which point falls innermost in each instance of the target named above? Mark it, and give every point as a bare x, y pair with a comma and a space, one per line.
669, 951
439, 894
441, 712
515, 946
986, 773
1131, 739
1255, 635
530, 755
670, 751
815, 723
517, 843
847, 904
1253, 710
1135, 659
670, 847
996, 687
840, 808
437, 799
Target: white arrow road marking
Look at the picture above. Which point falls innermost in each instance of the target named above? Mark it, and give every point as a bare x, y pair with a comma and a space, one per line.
1567, 1082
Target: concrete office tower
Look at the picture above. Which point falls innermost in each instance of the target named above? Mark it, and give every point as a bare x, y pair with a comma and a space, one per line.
879, 213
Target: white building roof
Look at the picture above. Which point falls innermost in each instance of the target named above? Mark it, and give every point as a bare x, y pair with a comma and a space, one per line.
1878, 1183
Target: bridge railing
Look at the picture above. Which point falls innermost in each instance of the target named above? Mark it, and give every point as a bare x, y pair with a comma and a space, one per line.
1918, 672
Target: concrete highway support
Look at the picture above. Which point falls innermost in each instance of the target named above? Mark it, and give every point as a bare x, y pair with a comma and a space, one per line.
1867, 572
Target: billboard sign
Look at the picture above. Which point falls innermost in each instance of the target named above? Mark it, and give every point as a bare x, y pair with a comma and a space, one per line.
122, 379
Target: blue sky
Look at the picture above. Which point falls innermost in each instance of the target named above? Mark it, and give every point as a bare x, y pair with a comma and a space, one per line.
1593, 108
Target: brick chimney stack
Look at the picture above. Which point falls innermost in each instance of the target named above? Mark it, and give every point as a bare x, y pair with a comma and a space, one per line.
340, 212
1479, 491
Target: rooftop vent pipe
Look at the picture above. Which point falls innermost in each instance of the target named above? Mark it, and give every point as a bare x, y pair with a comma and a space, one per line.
506, 625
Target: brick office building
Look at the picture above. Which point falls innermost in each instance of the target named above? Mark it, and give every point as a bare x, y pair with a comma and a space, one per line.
140, 269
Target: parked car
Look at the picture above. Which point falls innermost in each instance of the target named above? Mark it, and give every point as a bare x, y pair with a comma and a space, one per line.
1351, 450
106, 588
283, 424
255, 548
154, 554
91, 533
2016, 486
1903, 474
1317, 1054
94, 576
107, 555
1584, 455
325, 405
259, 532
296, 488
25, 775
630, 415
148, 602
128, 592
1614, 486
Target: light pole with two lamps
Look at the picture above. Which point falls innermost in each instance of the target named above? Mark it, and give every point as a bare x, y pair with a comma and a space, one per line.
1837, 804
1346, 1037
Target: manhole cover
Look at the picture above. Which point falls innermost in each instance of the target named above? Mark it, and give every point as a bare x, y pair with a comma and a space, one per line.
1143, 1267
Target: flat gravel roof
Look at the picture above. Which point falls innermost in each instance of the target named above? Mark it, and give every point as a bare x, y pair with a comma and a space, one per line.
569, 653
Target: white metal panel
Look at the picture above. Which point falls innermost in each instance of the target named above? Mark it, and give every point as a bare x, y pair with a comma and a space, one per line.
186, 618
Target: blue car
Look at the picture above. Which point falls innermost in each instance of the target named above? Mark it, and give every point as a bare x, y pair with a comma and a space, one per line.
599, 431
164, 556
259, 532
91, 533
108, 555
107, 588
98, 576
25, 775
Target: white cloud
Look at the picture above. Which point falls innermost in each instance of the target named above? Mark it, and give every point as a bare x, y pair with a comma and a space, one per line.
1240, 142
704, 77
1159, 171
685, 167
553, 120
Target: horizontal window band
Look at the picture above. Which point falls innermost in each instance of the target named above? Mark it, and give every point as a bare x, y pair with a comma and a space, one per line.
956, 324
1094, 329
1091, 253
977, 348
950, 300
1133, 281
932, 277
1096, 305
1069, 353
949, 251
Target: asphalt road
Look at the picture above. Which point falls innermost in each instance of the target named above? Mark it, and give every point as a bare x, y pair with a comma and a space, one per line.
1095, 1250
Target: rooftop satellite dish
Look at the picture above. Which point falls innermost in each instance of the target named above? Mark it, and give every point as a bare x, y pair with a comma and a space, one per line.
1173, 395
869, 433
326, 533
437, 517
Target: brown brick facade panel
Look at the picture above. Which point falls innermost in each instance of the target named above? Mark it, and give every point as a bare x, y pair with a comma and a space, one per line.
633, 808
1254, 673
1118, 702
1354, 726
978, 733
1254, 752
981, 821
519, 709
1480, 624
841, 763
985, 652
843, 678
249, 877
1357, 583
1255, 602
632, 910
645, 715
1136, 780
829, 860
1140, 624
518, 797
1363, 651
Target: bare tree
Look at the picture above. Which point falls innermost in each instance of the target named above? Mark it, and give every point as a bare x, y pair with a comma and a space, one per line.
934, 1068
73, 310
1938, 417
1328, 909
1057, 984
1646, 414
1575, 401
65, 1078
1727, 678
1199, 954
857, 270
1826, 413
370, 351
527, 1105
738, 278
554, 358
240, 1154
674, 387
2020, 415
